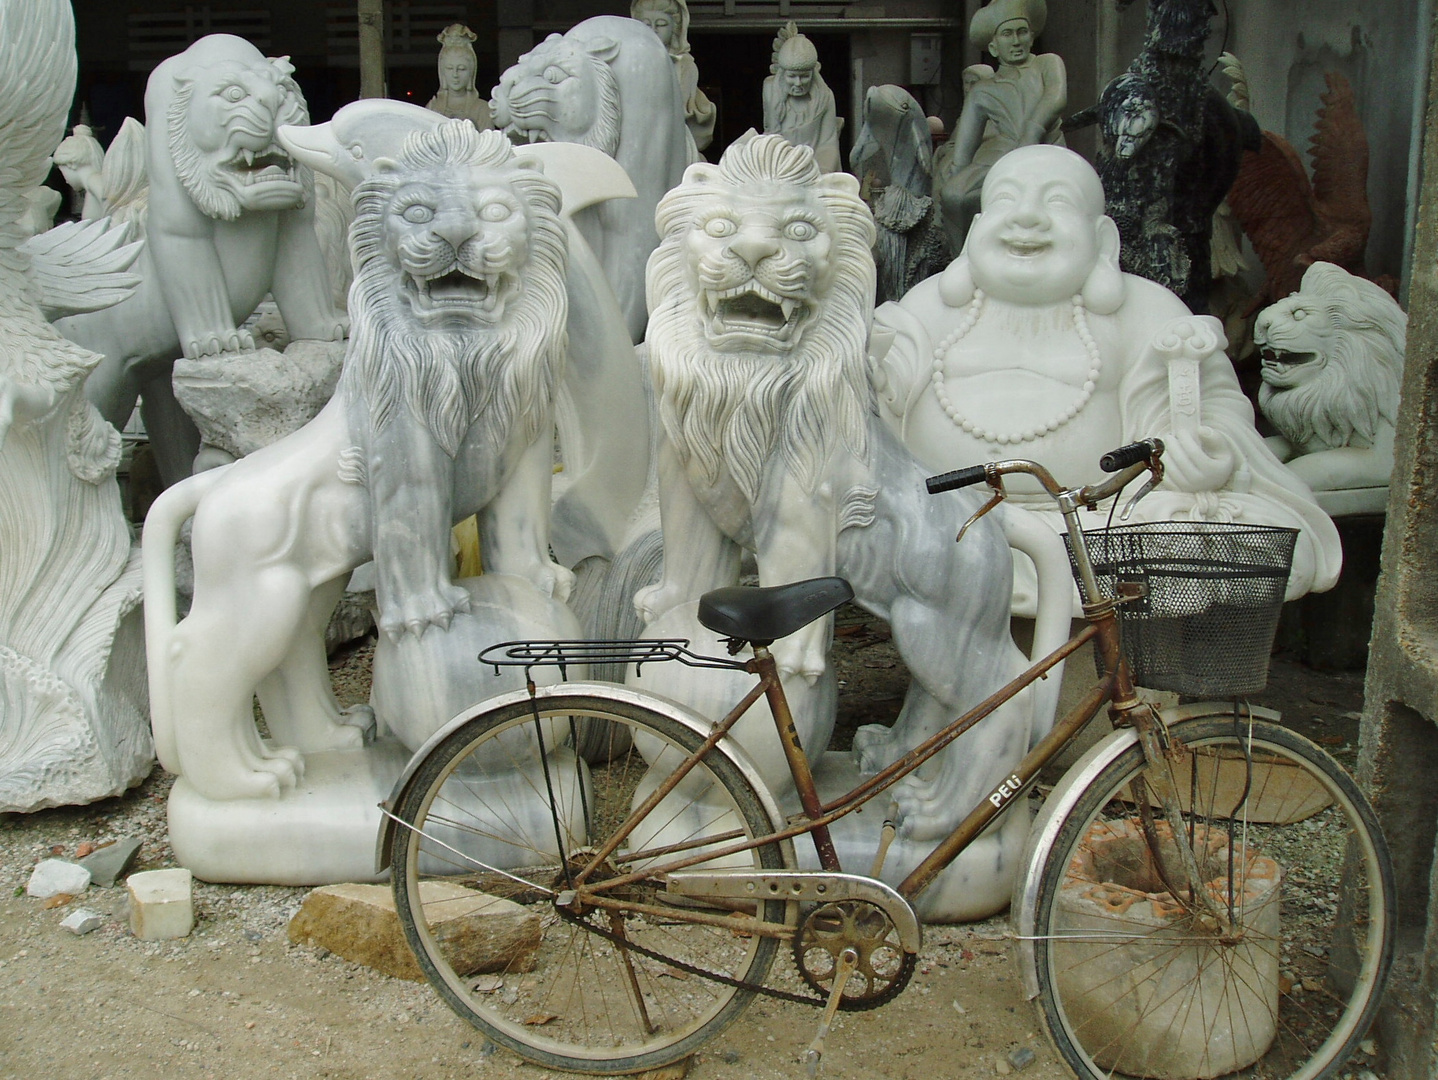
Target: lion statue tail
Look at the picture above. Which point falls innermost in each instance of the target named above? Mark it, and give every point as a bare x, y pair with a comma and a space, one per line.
175, 506
1027, 533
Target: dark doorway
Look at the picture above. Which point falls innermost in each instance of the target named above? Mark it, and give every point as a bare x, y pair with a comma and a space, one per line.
732, 70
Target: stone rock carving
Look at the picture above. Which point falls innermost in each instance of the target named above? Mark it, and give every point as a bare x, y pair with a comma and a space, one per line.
770, 443
798, 104
73, 724
1033, 344
1170, 150
1020, 104
230, 218
669, 19
608, 83
1293, 223
1332, 362
444, 409
457, 97
893, 157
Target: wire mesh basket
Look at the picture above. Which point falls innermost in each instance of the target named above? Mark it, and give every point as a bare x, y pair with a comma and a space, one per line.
1213, 594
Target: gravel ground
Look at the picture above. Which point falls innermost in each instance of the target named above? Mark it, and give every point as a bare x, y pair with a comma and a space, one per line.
236, 999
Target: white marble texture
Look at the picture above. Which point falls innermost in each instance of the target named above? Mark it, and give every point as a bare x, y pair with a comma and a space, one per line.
1332, 362
72, 696
607, 83
230, 218
441, 275
1034, 345
761, 293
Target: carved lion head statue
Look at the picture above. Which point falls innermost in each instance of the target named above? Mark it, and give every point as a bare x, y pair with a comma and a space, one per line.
458, 304
222, 101
563, 90
760, 297
1332, 360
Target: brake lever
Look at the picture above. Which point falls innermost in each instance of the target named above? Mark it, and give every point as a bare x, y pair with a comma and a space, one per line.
1155, 477
997, 484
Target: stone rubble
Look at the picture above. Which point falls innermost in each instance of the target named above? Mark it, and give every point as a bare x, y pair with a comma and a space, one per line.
109, 863
81, 921
52, 877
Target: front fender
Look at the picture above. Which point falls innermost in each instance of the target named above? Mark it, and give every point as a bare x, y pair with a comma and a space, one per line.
1056, 809
621, 695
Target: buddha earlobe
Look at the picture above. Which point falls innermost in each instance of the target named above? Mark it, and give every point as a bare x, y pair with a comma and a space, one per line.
1104, 290
956, 284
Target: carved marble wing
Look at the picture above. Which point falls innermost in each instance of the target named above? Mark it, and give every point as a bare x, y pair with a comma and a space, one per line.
82, 266
37, 82
123, 176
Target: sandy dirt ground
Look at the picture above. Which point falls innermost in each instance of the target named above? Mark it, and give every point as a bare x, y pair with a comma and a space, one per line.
237, 1000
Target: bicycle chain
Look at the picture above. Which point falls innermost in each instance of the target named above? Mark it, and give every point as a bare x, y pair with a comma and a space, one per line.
703, 973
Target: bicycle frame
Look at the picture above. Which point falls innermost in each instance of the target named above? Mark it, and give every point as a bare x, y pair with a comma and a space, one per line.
1114, 687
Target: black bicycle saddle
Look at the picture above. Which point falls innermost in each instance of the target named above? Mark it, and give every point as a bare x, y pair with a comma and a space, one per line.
761, 615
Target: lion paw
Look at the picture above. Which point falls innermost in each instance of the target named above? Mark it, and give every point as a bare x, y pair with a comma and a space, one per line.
255, 776
925, 808
554, 580
653, 601
420, 609
805, 653
873, 748
222, 342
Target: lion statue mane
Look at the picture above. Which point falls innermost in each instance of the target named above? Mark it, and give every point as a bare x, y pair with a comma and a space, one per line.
1332, 361
444, 409
608, 83
230, 218
761, 296
793, 376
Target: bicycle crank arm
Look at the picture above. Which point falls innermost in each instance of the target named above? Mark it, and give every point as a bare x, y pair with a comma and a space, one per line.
804, 885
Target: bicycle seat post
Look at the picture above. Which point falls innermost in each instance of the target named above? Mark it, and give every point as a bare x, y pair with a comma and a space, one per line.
794, 754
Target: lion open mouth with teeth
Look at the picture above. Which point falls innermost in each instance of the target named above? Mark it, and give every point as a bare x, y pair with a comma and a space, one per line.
758, 265
459, 247
258, 167
752, 311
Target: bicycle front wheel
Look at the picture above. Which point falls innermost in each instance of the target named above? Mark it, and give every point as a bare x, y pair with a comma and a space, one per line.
499, 820
1137, 978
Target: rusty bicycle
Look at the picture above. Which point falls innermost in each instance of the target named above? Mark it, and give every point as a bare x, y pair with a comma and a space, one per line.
1205, 892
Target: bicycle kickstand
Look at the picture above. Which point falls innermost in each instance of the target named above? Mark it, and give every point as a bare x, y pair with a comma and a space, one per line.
848, 961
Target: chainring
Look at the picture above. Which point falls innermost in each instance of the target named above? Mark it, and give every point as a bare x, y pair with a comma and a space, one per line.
884, 968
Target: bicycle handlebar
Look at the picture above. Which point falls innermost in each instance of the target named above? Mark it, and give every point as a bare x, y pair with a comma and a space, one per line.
959, 478
1132, 454
1126, 461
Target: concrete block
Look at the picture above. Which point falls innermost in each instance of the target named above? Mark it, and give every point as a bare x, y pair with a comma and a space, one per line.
358, 922
54, 876
161, 906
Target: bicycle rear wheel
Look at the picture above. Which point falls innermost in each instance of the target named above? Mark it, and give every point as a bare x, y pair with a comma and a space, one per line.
498, 810
1134, 981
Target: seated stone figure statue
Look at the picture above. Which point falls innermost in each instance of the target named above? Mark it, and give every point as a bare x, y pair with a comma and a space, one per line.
1035, 345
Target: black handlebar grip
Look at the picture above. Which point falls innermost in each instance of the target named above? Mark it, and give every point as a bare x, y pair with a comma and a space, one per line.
958, 478
1124, 456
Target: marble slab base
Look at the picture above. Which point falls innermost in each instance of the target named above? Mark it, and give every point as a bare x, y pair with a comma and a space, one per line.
322, 833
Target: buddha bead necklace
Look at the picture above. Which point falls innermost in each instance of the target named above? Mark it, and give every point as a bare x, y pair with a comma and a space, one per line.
968, 426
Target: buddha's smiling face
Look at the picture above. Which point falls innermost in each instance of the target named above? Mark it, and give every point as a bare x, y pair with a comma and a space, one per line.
1037, 239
